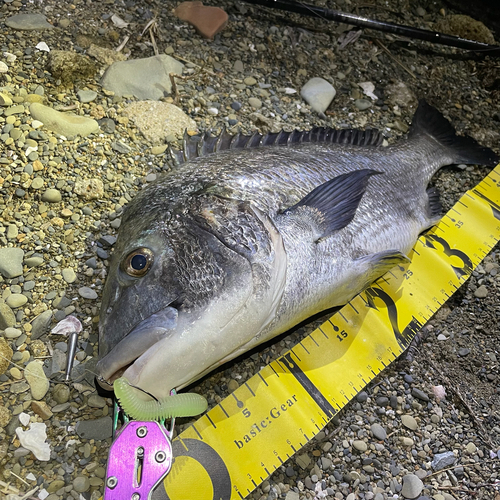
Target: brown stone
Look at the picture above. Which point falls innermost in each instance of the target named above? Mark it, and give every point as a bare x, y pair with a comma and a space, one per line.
208, 21
41, 409
5, 355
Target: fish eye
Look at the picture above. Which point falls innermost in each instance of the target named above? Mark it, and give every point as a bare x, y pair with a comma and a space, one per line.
138, 262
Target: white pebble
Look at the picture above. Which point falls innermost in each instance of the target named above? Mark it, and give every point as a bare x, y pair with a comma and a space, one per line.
24, 418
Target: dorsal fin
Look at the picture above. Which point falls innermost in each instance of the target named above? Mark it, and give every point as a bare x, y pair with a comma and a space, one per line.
201, 145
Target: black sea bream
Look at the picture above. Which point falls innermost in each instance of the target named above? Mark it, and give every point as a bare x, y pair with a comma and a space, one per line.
232, 248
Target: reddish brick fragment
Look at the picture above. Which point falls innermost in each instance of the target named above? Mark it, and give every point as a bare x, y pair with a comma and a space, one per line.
208, 21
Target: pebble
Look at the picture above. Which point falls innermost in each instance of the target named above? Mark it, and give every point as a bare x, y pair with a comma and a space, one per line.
7, 317
16, 300
255, 103
11, 262
61, 393
37, 380
443, 460
86, 95
28, 22
144, 78
65, 124
52, 195
417, 393
378, 432
360, 445
318, 93
41, 408
69, 275
5, 100
12, 333
250, 80
87, 293
362, 104
96, 401
303, 460
37, 183
481, 292
97, 429
159, 120
81, 484
40, 324
471, 448
409, 422
412, 486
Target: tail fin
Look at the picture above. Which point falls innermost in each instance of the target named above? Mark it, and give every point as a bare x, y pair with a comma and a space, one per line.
462, 149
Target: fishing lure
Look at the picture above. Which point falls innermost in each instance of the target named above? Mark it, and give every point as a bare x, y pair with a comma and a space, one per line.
177, 405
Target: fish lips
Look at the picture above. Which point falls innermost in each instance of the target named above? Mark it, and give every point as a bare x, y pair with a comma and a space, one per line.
139, 340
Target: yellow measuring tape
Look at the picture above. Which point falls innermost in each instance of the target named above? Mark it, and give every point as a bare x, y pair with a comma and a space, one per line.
229, 451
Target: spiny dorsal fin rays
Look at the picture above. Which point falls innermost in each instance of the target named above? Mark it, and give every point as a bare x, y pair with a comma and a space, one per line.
332, 205
202, 145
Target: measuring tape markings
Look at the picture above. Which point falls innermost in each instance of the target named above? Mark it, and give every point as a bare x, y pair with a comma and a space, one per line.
276, 412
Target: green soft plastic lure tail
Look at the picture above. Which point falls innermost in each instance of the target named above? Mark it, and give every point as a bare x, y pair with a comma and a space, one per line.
178, 405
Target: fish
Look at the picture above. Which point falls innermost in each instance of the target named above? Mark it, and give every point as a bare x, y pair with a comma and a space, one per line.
251, 235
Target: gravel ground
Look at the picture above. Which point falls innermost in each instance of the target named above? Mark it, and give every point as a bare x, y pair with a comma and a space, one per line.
62, 197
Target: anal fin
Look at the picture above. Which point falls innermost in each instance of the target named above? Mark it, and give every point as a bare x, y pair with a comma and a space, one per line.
377, 264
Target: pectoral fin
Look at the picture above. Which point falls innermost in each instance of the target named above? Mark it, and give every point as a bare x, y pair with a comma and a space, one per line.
332, 205
375, 265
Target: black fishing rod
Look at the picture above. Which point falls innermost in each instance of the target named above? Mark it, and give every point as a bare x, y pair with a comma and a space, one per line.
364, 22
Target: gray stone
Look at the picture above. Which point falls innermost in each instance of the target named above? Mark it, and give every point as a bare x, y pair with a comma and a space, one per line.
443, 460
481, 292
318, 93
146, 78
255, 103
378, 432
159, 121
12, 333
7, 316
121, 147
69, 275
99, 429
16, 300
238, 66
35, 376
417, 393
362, 397
81, 484
28, 22
87, 293
412, 486
86, 95
66, 124
409, 422
303, 460
360, 445
96, 401
52, 196
11, 262
33, 261
40, 324
61, 393
362, 104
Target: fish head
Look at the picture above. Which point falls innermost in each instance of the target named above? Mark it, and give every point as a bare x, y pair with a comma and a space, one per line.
185, 290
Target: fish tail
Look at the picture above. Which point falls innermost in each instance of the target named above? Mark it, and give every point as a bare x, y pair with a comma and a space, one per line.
428, 121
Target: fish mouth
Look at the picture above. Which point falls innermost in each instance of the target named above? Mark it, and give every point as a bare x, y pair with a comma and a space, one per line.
140, 342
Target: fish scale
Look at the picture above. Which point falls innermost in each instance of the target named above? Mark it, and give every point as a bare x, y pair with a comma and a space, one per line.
248, 241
